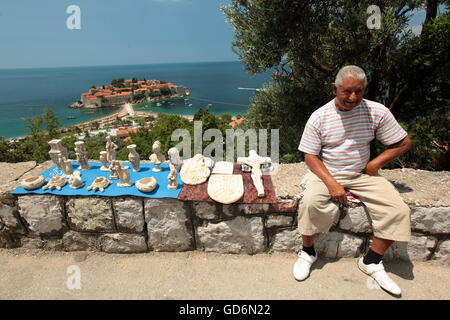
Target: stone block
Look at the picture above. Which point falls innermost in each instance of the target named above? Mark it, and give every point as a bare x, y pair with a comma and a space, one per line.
122, 243
8, 239
206, 210
32, 243
284, 206
434, 220
230, 210
442, 253
168, 224
286, 241
42, 213
239, 235
76, 241
253, 208
9, 217
356, 220
91, 214
279, 220
129, 215
419, 248
338, 245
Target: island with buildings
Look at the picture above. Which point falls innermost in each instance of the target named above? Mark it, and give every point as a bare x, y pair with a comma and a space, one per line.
123, 91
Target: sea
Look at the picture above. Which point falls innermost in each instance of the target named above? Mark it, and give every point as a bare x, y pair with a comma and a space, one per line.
224, 87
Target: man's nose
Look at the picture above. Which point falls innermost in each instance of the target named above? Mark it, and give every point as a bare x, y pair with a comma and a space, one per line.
353, 96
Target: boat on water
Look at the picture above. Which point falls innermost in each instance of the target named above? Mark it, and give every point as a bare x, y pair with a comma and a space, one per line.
190, 105
158, 104
71, 117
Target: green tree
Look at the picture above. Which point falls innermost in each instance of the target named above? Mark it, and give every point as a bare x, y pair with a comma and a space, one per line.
305, 43
34, 125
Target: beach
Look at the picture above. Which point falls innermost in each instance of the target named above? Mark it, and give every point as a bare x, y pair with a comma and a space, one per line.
125, 111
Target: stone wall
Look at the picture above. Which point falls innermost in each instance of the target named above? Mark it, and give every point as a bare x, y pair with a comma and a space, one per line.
134, 225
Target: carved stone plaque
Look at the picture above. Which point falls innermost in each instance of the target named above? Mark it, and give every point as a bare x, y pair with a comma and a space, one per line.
226, 188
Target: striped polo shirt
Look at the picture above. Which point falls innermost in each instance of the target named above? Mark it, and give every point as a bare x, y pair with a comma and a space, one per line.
341, 139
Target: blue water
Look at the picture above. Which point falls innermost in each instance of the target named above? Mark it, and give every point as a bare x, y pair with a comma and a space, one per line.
27, 92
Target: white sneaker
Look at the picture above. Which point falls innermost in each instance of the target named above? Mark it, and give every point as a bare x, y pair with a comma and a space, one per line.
303, 265
377, 272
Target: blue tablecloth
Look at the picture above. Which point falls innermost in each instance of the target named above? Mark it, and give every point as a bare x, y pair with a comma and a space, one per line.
88, 176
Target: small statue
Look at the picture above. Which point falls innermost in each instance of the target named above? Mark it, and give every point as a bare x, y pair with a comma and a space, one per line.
111, 148
174, 158
76, 181
254, 161
195, 171
55, 148
80, 152
100, 183
157, 157
172, 177
55, 183
104, 161
65, 165
114, 170
134, 158
122, 173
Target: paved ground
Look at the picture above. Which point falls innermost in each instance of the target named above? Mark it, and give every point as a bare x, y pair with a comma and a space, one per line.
37, 274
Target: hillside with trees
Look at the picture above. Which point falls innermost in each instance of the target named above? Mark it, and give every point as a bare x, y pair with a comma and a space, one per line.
306, 42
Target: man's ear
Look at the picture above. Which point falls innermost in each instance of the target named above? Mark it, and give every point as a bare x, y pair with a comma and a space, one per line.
334, 88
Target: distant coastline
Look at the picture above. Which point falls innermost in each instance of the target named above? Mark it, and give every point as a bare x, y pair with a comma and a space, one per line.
27, 92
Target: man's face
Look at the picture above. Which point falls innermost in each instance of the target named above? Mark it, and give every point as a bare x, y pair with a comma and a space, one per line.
350, 94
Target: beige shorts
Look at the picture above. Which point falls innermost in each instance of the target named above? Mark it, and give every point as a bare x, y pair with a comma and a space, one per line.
389, 215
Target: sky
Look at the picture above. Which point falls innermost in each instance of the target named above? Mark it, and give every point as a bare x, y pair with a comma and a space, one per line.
113, 32
35, 34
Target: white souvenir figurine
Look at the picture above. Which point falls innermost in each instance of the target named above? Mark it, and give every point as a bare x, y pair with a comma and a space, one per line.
172, 177
76, 181
104, 161
124, 176
157, 157
33, 182
100, 183
55, 183
65, 165
134, 158
266, 162
195, 171
80, 152
174, 158
111, 148
114, 170
254, 161
55, 148
146, 184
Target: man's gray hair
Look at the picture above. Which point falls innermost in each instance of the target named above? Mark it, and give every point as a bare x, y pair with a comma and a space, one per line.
350, 72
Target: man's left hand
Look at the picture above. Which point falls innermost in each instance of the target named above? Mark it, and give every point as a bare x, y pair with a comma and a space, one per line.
371, 169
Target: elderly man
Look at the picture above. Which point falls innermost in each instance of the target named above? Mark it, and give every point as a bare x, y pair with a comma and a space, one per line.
336, 143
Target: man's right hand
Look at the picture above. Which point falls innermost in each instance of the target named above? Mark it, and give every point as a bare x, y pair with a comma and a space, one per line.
337, 193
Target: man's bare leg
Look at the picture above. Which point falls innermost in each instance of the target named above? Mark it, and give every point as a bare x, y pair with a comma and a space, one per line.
380, 245
308, 241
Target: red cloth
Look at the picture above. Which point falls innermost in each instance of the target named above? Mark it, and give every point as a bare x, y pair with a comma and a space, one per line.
200, 192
